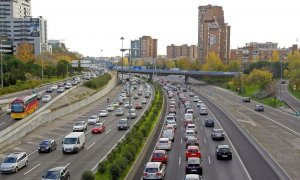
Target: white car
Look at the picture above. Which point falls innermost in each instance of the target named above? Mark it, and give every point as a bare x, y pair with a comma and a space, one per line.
189, 133
46, 98
173, 123
132, 113
172, 101
200, 103
192, 177
93, 119
14, 162
54, 87
192, 127
103, 113
110, 108
60, 90
143, 101
80, 126
68, 86
170, 118
154, 170
127, 105
203, 110
164, 143
119, 112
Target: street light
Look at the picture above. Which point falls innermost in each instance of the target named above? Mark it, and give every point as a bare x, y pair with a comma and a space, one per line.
122, 39
2, 39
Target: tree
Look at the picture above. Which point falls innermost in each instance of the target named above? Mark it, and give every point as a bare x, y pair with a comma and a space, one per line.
183, 63
169, 63
234, 66
125, 61
61, 68
213, 63
160, 64
140, 62
88, 175
25, 52
275, 56
259, 77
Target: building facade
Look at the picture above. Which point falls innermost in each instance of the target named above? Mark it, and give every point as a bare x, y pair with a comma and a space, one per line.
17, 26
213, 33
145, 47
175, 52
135, 49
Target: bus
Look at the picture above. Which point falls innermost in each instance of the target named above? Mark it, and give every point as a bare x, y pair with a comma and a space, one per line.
23, 106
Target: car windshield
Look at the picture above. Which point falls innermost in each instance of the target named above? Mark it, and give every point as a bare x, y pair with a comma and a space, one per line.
17, 107
78, 124
193, 150
122, 122
10, 160
224, 150
188, 116
70, 140
158, 155
170, 117
93, 117
218, 131
163, 141
51, 175
151, 170
45, 143
98, 125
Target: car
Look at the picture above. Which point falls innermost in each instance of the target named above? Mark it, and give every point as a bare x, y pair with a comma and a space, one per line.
189, 110
246, 99
209, 123
223, 152
80, 126
127, 105
138, 105
172, 123
196, 99
192, 177
68, 85
169, 126
217, 134
168, 133
184, 90
61, 173
203, 111
187, 103
193, 166
54, 87
98, 128
49, 90
154, 170
283, 82
188, 118
60, 90
191, 127
143, 101
8, 110
172, 108
115, 104
172, 101
93, 119
46, 98
14, 162
147, 95
132, 113
140, 93
159, 156
200, 103
123, 124
189, 133
192, 151
191, 141
47, 145
259, 108
136, 97
191, 94
170, 118
60, 85
164, 143
119, 112
110, 108
103, 113
120, 101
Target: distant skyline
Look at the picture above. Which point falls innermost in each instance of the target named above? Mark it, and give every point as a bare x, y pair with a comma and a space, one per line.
91, 25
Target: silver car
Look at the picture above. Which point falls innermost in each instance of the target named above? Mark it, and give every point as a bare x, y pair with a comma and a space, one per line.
14, 162
217, 134
119, 112
154, 170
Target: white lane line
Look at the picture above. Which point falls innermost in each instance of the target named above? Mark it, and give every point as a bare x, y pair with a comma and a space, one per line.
3, 114
104, 121
91, 145
201, 127
107, 131
179, 161
2, 123
198, 118
32, 169
88, 132
67, 165
204, 140
181, 141
209, 160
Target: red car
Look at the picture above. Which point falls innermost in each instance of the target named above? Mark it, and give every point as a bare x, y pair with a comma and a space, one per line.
98, 128
159, 156
192, 151
138, 105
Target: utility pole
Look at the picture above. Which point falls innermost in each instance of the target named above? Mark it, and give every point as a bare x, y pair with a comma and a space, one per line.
280, 79
1, 65
122, 39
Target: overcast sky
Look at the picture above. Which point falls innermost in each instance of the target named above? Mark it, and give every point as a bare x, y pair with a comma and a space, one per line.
87, 26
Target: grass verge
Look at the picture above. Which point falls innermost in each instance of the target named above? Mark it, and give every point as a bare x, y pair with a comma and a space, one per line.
296, 93
120, 159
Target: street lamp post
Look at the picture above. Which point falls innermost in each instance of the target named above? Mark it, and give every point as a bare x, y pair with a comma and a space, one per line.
122, 39
280, 79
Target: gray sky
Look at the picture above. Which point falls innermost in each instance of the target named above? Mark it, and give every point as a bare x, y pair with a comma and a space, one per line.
87, 26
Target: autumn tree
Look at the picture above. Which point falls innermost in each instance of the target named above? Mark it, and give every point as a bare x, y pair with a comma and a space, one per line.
275, 56
25, 52
213, 63
259, 77
169, 63
140, 62
234, 66
183, 63
125, 61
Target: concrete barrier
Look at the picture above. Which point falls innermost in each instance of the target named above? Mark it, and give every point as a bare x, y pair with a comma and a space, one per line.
42, 116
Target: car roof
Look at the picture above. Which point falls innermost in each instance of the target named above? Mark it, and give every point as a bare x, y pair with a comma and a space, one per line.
223, 146
192, 176
99, 124
192, 147
16, 154
56, 169
153, 164
189, 130
218, 130
163, 139
159, 151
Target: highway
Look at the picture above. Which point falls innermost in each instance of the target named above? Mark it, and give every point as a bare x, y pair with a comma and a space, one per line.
96, 148
288, 98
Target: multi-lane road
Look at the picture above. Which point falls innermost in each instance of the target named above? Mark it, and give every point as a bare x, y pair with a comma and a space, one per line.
97, 146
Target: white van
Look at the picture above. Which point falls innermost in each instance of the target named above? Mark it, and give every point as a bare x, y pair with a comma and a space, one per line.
168, 133
73, 142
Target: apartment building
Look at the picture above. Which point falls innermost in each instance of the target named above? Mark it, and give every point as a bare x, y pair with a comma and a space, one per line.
175, 52
213, 33
135, 49
145, 47
17, 26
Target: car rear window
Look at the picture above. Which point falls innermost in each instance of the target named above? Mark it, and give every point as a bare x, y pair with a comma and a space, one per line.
193, 150
158, 155
163, 141
151, 170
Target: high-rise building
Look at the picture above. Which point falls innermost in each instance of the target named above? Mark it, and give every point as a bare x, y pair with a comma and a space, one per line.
17, 26
135, 49
213, 33
182, 51
148, 47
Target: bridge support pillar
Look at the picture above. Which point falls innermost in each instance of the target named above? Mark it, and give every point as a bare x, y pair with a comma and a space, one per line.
186, 79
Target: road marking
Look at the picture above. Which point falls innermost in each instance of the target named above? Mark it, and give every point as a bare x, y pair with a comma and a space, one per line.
67, 165
88, 132
201, 127
32, 169
204, 140
181, 141
209, 160
107, 131
2, 123
179, 161
3, 114
198, 118
91, 145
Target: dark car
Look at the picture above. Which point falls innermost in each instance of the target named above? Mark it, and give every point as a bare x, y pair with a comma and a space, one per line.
191, 141
47, 145
246, 99
223, 152
123, 124
193, 166
57, 173
259, 108
209, 123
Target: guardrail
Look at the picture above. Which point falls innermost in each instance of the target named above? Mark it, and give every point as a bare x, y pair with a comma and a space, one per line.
42, 116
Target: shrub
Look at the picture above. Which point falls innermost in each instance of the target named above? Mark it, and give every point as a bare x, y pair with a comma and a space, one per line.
98, 82
102, 167
88, 175
115, 171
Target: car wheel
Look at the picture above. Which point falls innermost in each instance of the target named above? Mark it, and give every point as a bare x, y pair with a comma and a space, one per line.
16, 169
26, 164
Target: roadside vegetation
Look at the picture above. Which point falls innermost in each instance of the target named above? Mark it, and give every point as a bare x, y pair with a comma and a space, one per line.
99, 82
295, 93
121, 158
